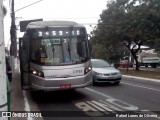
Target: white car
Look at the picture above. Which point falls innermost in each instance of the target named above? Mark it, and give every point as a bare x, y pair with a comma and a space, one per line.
104, 72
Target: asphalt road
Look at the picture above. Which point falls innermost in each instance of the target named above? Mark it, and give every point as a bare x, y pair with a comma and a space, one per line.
104, 101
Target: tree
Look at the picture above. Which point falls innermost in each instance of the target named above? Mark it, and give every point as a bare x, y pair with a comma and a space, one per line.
131, 23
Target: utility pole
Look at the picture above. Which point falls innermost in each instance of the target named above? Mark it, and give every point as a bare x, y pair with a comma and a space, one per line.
13, 33
13, 47
3, 85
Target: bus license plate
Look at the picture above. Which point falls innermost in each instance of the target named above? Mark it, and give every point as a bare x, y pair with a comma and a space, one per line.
65, 86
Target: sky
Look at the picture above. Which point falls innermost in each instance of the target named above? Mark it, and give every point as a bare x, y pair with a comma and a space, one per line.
86, 12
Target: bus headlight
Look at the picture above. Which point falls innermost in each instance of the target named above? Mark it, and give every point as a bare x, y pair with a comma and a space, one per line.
87, 69
37, 73
34, 72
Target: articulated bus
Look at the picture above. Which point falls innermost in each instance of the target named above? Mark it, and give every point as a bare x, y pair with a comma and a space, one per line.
54, 55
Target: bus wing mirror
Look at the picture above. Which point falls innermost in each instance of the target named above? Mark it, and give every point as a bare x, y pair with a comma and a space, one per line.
90, 45
89, 42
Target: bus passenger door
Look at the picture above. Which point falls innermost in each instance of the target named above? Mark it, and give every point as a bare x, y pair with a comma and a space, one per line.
24, 63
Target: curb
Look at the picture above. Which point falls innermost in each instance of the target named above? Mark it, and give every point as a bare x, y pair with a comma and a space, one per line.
141, 78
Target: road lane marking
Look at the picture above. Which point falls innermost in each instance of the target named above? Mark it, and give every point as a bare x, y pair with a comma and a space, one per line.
100, 93
106, 106
101, 107
111, 105
26, 105
121, 104
111, 100
141, 86
95, 106
88, 109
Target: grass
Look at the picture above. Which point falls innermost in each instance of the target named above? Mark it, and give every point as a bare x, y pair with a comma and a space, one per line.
141, 73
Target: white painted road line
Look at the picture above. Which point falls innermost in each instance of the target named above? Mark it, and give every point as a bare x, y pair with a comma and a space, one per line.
117, 105
100, 93
113, 101
141, 86
26, 105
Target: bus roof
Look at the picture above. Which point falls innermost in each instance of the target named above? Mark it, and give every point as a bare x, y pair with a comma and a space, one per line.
44, 24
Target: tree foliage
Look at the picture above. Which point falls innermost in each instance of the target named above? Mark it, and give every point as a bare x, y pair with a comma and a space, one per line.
129, 23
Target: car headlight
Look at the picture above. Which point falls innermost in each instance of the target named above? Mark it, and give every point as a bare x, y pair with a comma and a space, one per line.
119, 73
37, 73
96, 73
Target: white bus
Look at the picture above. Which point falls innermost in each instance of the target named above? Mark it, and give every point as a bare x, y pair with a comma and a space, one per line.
54, 55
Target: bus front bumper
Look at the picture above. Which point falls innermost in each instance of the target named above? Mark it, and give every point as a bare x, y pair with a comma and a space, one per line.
38, 83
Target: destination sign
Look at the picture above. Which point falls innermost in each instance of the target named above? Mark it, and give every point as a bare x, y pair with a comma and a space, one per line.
59, 32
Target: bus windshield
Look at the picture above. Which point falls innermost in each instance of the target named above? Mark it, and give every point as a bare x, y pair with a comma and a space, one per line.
59, 51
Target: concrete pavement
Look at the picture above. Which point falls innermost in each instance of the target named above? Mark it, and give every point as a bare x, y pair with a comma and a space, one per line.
141, 78
16, 98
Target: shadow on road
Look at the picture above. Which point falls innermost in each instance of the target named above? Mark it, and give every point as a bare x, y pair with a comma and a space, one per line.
57, 96
107, 84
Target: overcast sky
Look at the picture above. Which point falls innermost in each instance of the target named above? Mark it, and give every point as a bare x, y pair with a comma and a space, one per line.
81, 11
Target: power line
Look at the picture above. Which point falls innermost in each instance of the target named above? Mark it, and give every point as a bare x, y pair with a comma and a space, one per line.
27, 5
61, 18
84, 23
13, 49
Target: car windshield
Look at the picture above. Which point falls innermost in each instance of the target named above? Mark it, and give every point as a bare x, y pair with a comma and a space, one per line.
100, 64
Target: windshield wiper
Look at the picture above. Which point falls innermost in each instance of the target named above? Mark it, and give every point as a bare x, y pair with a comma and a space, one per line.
53, 49
84, 59
69, 50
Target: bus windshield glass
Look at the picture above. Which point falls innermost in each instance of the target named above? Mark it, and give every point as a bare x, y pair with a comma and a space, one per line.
59, 51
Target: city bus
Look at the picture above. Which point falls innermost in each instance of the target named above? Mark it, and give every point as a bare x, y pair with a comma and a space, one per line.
54, 55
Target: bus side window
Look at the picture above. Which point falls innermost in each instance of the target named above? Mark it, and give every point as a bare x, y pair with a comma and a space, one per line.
23, 46
25, 43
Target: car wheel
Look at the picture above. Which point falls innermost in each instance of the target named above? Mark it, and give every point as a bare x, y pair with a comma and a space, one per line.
116, 83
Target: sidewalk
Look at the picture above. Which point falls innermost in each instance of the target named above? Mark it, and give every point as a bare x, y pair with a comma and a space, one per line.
141, 78
16, 98
146, 74
17, 102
